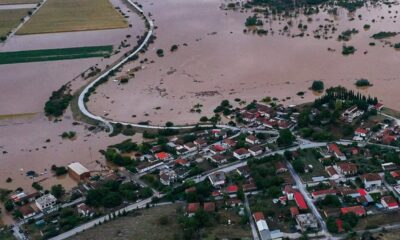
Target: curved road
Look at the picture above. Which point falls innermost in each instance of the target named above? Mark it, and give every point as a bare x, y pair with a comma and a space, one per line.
81, 103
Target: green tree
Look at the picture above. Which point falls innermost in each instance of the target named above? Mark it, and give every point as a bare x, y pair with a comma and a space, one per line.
286, 137
57, 190
317, 85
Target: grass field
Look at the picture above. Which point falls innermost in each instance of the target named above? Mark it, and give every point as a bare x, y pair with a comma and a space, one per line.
143, 224
10, 19
74, 15
17, 116
54, 54
4, 2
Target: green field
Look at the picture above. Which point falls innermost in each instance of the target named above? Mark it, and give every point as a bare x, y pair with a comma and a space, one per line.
54, 54
74, 15
10, 19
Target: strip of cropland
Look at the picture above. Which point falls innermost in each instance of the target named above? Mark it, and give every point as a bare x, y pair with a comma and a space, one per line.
74, 15
10, 19
9, 2
54, 54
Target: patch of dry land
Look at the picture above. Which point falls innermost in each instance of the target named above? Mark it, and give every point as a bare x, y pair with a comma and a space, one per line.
74, 15
143, 224
9, 2
216, 60
10, 19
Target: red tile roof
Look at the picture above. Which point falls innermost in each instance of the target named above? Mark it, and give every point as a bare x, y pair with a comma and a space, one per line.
339, 224
369, 177
294, 211
193, 207
162, 155
361, 130
209, 206
181, 161
258, 216
241, 151
232, 189
301, 203
358, 210
324, 192
362, 191
334, 148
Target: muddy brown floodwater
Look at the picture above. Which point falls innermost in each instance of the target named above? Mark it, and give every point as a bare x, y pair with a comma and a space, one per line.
33, 142
216, 60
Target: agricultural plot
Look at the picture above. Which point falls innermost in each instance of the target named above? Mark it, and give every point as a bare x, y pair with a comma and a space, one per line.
74, 15
54, 54
7, 2
10, 19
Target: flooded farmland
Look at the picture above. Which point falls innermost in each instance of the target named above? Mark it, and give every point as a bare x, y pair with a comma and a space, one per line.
216, 60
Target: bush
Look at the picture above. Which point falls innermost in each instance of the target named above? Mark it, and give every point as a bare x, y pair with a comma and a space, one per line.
160, 52
347, 50
363, 83
317, 85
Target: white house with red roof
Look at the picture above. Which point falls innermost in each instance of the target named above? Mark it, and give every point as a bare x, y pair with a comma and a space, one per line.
252, 139
320, 194
371, 180
389, 202
163, 156
335, 150
217, 149
241, 153
360, 133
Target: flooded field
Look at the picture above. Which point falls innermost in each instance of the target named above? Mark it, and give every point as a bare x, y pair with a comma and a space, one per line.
26, 87
216, 60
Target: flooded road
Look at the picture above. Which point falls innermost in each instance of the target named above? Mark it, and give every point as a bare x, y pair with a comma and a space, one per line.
17, 6
216, 60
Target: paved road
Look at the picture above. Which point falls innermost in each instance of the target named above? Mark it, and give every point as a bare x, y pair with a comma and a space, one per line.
81, 103
309, 201
25, 19
251, 221
72, 232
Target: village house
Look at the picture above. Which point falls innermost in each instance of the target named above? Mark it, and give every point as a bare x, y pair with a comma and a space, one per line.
190, 146
361, 133
217, 149
251, 139
357, 210
219, 159
280, 167
192, 208
229, 143
200, 142
321, 194
333, 174
46, 202
27, 211
220, 133
243, 171
335, 150
241, 153
84, 210
289, 192
396, 176
351, 113
388, 166
217, 179
299, 199
389, 202
371, 180
346, 191
265, 110
256, 150
209, 207
148, 166
306, 222
262, 226
347, 169
163, 156
78, 172
182, 162
167, 176
294, 211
